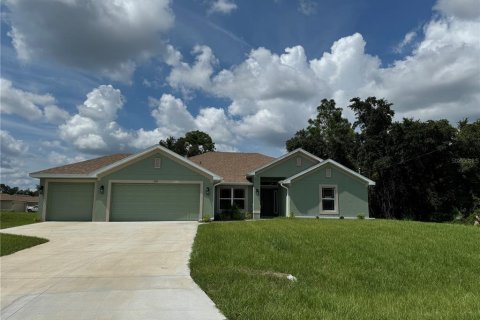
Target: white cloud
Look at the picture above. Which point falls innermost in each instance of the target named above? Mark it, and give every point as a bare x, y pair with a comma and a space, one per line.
11, 146
13, 152
171, 115
408, 39
29, 105
196, 76
108, 36
463, 9
222, 6
273, 95
307, 7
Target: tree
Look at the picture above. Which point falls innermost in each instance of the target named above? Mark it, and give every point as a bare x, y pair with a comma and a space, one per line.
192, 144
16, 190
329, 135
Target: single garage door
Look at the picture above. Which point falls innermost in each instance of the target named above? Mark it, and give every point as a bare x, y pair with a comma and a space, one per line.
70, 201
155, 202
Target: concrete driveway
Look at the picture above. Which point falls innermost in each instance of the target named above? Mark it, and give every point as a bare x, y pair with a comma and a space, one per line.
90, 270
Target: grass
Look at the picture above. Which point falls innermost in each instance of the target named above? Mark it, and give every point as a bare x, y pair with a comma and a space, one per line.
346, 269
10, 219
10, 243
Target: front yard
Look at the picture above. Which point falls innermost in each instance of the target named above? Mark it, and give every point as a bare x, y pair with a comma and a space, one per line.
10, 243
346, 269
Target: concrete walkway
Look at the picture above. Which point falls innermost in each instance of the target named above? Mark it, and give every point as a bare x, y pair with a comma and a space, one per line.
90, 270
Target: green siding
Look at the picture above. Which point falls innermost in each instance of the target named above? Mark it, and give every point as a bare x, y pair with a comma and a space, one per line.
154, 202
69, 201
305, 193
143, 169
283, 169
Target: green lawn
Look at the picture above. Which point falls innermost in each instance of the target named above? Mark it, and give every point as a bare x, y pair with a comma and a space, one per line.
13, 219
346, 269
10, 243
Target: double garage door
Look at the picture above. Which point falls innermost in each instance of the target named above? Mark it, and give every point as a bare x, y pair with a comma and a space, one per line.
153, 202
128, 202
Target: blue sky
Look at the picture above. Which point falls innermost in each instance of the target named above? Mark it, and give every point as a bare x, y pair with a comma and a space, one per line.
82, 79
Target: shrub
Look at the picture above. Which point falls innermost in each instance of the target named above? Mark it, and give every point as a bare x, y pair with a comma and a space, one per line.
342, 217
236, 213
360, 216
248, 215
292, 215
206, 218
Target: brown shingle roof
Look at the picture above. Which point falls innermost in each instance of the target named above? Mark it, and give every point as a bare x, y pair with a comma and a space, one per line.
232, 166
17, 197
87, 166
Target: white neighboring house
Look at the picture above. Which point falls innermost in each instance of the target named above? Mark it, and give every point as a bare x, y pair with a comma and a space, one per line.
18, 202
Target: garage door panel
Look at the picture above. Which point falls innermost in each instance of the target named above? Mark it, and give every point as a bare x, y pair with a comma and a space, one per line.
70, 201
154, 202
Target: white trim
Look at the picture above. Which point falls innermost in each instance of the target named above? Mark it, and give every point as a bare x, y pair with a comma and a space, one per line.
45, 192
335, 199
107, 209
226, 183
334, 163
61, 175
284, 157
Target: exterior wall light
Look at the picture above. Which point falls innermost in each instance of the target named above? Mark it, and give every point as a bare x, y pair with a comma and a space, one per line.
40, 190
101, 189
257, 191
207, 191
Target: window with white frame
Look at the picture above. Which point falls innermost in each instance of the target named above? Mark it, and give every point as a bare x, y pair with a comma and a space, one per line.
329, 198
232, 196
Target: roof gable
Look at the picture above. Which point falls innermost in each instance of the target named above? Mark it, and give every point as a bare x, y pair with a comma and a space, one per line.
335, 164
285, 157
103, 165
156, 148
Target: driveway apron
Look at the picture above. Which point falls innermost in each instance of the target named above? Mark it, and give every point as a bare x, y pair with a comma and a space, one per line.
99, 270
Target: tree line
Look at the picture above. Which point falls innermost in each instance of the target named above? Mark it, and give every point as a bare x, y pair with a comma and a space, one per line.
16, 190
424, 170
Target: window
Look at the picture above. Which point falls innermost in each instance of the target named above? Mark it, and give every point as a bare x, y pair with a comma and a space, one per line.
329, 199
299, 162
157, 163
232, 196
328, 172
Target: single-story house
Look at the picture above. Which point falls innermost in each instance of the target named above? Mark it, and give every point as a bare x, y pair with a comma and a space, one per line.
16, 202
158, 184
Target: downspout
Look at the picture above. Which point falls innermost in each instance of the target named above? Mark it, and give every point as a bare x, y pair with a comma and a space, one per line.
287, 200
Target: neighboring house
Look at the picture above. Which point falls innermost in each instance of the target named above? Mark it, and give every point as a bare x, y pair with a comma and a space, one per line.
158, 184
16, 202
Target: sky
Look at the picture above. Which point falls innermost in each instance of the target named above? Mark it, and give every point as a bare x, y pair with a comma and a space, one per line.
86, 78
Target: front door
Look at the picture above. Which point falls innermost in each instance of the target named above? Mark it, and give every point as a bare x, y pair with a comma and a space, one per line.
268, 202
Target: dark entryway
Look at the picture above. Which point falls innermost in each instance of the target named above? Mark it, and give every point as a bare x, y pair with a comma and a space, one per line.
269, 202
270, 195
